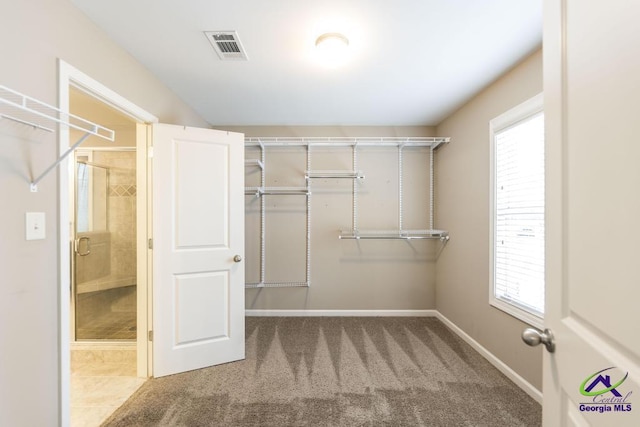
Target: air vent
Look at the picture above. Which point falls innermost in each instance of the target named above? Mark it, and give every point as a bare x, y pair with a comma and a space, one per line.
227, 45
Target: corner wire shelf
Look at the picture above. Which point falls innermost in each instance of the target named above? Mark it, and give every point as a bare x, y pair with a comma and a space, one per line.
25, 110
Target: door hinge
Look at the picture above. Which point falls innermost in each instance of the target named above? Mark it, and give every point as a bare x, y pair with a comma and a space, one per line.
150, 244
150, 335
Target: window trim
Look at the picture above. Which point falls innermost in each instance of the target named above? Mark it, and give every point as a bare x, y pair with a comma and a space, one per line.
519, 113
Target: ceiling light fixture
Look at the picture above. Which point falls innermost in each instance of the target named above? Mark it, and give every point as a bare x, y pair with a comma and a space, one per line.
332, 49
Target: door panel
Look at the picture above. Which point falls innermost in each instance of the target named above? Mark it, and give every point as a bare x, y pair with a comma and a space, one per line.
593, 205
198, 223
201, 313
201, 208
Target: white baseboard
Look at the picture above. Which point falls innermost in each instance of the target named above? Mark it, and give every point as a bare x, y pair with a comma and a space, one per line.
341, 313
525, 385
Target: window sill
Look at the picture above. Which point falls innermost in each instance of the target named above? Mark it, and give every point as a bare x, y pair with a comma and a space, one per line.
520, 314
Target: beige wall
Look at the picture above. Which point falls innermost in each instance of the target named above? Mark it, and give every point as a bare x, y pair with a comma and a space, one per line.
462, 207
35, 34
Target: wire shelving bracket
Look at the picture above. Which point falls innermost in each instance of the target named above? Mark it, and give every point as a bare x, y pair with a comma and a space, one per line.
28, 109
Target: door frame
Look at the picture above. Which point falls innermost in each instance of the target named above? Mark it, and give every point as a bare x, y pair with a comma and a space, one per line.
71, 76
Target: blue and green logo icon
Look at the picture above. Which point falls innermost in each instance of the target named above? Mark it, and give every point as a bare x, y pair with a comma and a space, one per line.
587, 387
603, 387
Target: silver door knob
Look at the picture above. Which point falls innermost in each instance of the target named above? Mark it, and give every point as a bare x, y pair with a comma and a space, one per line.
237, 258
534, 337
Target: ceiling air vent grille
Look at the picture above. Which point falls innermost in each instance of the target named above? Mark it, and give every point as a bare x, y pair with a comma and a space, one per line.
227, 45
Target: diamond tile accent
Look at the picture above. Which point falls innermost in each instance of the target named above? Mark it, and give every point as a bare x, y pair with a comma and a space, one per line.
122, 190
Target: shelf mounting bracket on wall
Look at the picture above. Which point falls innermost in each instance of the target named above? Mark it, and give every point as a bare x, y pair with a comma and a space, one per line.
30, 109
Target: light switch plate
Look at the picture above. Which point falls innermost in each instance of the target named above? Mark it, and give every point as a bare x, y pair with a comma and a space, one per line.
35, 226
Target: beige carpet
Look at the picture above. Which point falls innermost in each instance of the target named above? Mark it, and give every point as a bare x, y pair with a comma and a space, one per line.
338, 372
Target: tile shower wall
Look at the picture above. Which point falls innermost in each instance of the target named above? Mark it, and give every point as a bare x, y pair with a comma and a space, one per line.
121, 215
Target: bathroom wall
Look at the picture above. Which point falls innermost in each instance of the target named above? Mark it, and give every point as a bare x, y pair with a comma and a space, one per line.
121, 212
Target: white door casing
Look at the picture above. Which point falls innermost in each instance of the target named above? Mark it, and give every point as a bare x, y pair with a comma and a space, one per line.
198, 229
592, 119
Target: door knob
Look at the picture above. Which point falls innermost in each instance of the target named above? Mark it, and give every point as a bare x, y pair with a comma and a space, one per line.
534, 337
237, 258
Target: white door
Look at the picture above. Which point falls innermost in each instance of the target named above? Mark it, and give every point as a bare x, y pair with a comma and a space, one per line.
198, 243
592, 116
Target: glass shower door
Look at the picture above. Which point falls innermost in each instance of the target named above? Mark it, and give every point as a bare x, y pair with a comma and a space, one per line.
91, 245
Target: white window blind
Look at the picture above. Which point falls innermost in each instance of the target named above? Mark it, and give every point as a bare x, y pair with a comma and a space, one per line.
518, 215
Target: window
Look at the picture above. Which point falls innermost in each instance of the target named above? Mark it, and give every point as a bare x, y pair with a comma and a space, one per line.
517, 212
82, 197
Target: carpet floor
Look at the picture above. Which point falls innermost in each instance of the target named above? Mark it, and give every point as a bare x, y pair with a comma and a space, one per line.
329, 371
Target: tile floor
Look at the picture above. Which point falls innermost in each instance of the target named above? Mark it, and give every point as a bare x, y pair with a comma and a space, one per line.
110, 326
102, 379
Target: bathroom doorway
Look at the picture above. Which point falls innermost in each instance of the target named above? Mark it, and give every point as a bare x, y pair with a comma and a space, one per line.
79, 94
103, 221
103, 206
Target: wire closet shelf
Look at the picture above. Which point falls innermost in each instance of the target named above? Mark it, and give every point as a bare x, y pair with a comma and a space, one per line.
356, 175
355, 233
30, 112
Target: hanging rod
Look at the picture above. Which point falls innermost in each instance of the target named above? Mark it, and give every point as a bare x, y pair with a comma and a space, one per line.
347, 142
31, 106
333, 174
394, 235
277, 285
276, 191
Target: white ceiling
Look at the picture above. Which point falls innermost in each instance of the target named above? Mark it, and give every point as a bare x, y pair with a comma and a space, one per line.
413, 61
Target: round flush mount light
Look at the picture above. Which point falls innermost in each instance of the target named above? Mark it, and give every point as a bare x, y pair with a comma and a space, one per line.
332, 49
